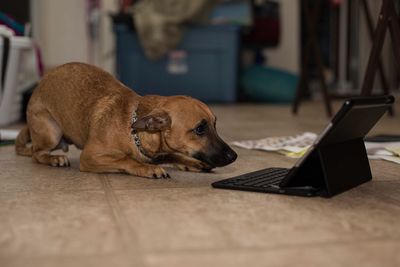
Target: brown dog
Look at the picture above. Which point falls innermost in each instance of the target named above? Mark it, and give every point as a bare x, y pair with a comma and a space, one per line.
118, 130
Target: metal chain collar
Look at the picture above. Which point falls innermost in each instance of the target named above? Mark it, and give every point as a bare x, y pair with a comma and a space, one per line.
134, 133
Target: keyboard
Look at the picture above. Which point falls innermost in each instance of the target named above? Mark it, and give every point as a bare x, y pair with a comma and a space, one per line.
257, 181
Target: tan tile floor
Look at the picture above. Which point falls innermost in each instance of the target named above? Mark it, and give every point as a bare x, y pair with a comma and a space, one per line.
62, 217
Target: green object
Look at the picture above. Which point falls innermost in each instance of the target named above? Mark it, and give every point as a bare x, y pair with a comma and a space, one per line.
269, 84
7, 143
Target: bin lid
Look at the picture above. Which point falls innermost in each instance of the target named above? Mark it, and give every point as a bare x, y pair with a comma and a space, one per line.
19, 42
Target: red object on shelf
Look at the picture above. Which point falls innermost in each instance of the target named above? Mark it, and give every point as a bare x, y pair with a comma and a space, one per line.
265, 32
336, 2
125, 4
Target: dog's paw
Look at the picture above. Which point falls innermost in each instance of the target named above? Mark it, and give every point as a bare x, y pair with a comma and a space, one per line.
196, 168
185, 168
59, 161
153, 172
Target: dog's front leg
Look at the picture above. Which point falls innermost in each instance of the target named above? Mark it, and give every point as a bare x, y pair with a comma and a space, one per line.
119, 163
184, 163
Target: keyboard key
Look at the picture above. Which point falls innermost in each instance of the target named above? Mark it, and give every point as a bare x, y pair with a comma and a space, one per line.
262, 178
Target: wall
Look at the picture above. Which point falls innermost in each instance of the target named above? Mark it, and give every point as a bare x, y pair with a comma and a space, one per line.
287, 54
60, 28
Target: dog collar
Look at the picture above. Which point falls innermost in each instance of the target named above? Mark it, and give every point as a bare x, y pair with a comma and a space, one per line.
135, 136
134, 133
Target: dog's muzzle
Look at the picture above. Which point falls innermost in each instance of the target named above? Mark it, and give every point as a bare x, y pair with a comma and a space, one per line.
218, 156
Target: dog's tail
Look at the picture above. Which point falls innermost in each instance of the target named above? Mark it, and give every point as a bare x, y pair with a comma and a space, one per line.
23, 139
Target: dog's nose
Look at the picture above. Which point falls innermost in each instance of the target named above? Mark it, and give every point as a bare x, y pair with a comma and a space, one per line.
222, 158
231, 156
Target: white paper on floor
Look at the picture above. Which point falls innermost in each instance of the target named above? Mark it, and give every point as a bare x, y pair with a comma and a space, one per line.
292, 146
389, 151
295, 146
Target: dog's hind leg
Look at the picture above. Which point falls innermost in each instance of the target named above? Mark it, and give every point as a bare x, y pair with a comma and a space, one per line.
46, 136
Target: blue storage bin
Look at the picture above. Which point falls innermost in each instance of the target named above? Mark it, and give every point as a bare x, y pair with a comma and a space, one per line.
210, 63
268, 84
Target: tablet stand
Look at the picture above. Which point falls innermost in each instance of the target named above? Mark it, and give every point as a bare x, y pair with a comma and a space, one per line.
334, 168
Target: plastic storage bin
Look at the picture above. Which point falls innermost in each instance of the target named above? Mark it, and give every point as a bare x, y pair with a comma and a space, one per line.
10, 95
204, 65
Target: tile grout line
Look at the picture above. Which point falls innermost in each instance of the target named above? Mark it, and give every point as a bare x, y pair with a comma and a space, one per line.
392, 200
52, 191
159, 188
128, 235
279, 247
128, 188
98, 189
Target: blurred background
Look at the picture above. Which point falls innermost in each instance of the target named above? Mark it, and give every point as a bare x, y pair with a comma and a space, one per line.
220, 51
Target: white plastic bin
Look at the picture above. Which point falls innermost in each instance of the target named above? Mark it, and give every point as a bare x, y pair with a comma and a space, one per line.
11, 95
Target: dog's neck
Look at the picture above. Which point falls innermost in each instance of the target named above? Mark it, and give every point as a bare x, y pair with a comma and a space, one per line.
149, 145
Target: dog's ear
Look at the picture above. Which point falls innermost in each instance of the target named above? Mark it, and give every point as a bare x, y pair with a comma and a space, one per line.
154, 122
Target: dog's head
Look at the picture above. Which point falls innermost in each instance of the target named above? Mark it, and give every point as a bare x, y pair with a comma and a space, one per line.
188, 127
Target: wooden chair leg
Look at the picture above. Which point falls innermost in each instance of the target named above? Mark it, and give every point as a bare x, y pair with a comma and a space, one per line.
394, 28
322, 80
381, 71
312, 49
373, 61
303, 79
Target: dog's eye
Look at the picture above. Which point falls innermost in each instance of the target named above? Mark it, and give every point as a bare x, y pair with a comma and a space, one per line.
201, 129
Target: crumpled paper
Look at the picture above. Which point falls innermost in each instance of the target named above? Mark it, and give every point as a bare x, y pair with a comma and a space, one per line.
296, 146
291, 146
389, 151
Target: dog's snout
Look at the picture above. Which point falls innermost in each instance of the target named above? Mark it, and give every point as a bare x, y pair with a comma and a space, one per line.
231, 156
225, 156
219, 155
